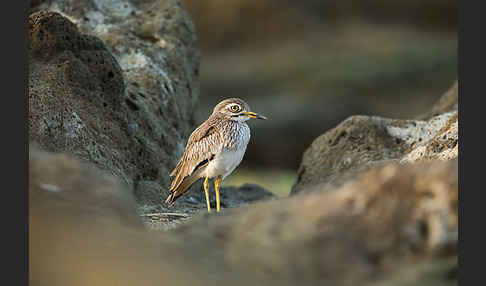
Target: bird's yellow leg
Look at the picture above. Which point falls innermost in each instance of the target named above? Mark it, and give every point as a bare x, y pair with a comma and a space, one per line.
216, 188
206, 190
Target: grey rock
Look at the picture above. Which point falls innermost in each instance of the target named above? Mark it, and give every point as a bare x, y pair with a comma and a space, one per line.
444, 145
114, 83
349, 146
362, 142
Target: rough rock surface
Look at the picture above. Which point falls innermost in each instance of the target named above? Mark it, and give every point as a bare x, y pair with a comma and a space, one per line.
114, 83
443, 146
361, 142
393, 222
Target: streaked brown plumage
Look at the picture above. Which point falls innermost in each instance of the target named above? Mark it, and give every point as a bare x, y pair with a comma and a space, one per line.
214, 148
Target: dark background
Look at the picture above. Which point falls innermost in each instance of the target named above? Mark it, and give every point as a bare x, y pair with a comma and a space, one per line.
308, 65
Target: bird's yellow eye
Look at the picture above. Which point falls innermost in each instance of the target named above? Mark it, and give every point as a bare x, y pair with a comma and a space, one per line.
235, 108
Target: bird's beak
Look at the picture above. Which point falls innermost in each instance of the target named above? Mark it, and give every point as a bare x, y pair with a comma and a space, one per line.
255, 115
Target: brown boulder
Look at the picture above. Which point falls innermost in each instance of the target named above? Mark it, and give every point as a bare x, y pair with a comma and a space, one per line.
394, 221
83, 229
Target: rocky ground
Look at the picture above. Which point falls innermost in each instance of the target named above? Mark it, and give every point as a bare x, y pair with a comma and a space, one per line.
112, 92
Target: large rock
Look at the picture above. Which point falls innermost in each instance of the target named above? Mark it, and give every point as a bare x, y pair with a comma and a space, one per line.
114, 83
361, 142
393, 222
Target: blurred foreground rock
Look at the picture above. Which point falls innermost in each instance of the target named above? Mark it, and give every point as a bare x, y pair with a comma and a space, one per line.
361, 142
394, 225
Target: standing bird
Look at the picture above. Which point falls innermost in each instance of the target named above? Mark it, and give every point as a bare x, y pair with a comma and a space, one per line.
214, 149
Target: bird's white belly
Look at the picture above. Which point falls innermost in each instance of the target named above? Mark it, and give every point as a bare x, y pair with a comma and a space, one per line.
225, 162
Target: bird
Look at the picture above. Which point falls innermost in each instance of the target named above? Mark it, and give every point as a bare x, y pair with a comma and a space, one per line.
214, 149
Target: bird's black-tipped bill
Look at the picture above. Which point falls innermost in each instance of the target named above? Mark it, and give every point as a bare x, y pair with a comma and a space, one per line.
255, 115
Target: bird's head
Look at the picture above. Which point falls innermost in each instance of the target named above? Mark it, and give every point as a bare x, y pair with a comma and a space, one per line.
235, 109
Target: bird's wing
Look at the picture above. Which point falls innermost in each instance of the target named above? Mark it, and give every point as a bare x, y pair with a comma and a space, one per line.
201, 147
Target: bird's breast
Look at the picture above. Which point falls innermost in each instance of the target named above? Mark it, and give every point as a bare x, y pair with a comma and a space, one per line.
232, 152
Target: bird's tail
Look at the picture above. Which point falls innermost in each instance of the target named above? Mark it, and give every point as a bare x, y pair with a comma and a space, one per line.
182, 188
